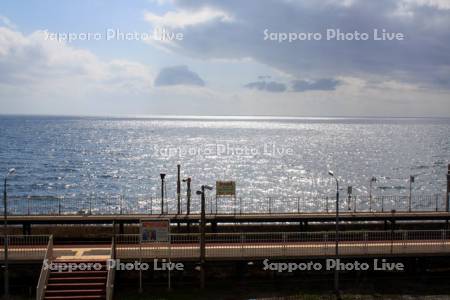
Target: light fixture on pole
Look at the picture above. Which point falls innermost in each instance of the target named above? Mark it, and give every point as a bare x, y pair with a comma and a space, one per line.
202, 234
5, 232
336, 271
162, 175
372, 180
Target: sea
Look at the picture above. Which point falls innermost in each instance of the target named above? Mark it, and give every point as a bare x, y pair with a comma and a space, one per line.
71, 164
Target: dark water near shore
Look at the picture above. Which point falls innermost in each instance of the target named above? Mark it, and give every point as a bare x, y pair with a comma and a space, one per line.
89, 157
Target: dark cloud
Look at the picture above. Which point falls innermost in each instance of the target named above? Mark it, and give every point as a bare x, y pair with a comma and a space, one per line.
325, 84
178, 75
269, 86
422, 58
264, 77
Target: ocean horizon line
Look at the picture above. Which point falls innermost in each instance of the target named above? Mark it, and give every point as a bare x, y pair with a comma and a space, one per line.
222, 117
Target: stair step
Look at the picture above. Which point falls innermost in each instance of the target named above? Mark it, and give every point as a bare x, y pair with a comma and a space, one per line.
76, 279
103, 262
82, 285
78, 274
78, 292
79, 297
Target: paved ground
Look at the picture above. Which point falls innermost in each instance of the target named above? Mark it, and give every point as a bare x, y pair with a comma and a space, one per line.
224, 251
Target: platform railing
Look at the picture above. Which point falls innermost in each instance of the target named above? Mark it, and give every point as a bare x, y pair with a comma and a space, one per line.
289, 244
121, 205
43, 277
31, 247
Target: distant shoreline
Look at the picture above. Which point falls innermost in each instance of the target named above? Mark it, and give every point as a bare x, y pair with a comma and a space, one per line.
227, 117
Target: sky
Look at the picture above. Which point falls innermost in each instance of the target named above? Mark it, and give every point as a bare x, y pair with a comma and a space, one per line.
226, 57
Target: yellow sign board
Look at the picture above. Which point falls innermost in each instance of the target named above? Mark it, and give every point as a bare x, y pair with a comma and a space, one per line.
225, 188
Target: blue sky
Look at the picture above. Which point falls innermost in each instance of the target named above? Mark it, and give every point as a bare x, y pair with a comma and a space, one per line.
223, 65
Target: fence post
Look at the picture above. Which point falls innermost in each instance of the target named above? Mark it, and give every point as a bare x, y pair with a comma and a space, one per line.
210, 205
216, 205
405, 236
366, 246
270, 205
443, 238
242, 238
298, 204
240, 205
382, 203
151, 205
327, 204
59, 206
437, 201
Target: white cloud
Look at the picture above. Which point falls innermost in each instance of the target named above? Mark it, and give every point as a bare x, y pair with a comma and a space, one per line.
7, 22
183, 18
39, 76
32, 59
441, 4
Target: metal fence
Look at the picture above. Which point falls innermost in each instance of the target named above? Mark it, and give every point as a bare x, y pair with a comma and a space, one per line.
288, 244
28, 247
118, 204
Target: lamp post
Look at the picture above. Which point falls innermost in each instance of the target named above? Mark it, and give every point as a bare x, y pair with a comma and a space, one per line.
188, 195
411, 181
5, 232
202, 234
162, 192
336, 272
178, 191
372, 180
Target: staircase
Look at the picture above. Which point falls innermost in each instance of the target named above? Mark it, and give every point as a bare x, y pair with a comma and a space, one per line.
89, 284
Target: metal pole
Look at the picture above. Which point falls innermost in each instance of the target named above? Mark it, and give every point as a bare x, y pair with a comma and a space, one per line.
5, 229
411, 180
188, 194
448, 190
336, 272
370, 196
178, 190
162, 192
349, 198
202, 239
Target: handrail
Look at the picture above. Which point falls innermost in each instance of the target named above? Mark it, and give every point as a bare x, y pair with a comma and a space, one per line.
319, 237
111, 273
43, 277
256, 233
290, 244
